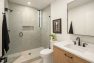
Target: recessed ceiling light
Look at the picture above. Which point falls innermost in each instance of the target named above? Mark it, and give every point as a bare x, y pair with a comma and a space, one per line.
29, 3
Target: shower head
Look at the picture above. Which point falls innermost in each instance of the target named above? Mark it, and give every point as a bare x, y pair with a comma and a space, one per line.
7, 9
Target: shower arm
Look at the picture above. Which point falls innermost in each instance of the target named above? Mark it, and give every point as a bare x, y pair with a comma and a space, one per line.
7, 9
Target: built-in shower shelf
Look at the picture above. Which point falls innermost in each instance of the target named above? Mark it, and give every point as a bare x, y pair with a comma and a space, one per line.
27, 28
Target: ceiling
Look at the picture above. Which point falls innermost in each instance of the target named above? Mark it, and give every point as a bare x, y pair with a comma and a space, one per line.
76, 3
38, 4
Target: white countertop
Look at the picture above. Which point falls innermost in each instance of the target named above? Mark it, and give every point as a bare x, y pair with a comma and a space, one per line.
84, 55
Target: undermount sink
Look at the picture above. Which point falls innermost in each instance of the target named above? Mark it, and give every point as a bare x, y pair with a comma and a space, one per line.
89, 49
76, 47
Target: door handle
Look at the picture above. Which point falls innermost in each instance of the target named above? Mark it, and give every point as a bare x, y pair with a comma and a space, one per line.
21, 34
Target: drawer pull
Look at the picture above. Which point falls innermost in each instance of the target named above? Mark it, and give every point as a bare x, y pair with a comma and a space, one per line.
68, 56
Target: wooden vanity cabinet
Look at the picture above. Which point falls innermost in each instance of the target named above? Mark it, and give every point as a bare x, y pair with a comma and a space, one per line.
58, 55
62, 56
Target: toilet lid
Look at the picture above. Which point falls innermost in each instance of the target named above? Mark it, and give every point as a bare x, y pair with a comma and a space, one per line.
46, 51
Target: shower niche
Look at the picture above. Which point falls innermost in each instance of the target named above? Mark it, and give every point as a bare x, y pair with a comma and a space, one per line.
28, 28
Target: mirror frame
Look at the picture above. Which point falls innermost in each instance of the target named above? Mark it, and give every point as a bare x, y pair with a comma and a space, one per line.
68, 29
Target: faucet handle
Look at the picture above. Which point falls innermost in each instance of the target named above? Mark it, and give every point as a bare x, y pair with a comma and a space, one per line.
84, 44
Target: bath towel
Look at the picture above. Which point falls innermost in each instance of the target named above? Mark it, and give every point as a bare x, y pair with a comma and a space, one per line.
5, 36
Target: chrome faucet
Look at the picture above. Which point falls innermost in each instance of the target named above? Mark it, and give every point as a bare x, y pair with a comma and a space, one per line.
79, 42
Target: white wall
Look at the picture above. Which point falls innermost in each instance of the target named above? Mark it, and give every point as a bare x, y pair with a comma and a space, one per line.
7, 13
23, 16
59, 10
46, 26
1, 19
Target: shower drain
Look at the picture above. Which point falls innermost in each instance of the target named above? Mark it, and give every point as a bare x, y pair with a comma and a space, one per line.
29, 53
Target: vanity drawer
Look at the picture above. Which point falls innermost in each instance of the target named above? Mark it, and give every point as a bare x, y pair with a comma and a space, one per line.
69, 57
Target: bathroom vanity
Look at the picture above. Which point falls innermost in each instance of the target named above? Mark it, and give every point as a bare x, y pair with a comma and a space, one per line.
65, 52
62, 56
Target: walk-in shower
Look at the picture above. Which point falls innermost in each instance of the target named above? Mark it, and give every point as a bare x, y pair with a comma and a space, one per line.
27, 32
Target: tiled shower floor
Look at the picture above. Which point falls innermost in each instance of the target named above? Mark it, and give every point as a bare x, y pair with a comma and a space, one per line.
30, 56
36, 60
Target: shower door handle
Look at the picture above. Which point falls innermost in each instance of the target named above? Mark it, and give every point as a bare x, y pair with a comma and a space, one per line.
21, 34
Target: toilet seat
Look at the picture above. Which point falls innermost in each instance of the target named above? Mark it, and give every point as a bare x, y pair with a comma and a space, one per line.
46, 51
46, 55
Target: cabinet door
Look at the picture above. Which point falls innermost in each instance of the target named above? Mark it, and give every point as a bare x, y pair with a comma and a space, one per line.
71, 58
79, 60
58, 55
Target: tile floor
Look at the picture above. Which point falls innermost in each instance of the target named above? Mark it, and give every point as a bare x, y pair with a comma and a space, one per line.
37, 61
29, 56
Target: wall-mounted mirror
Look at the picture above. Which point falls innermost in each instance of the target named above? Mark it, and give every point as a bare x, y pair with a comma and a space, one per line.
81, 17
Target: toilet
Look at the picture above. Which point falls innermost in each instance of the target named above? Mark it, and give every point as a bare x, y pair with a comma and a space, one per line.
46, 55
